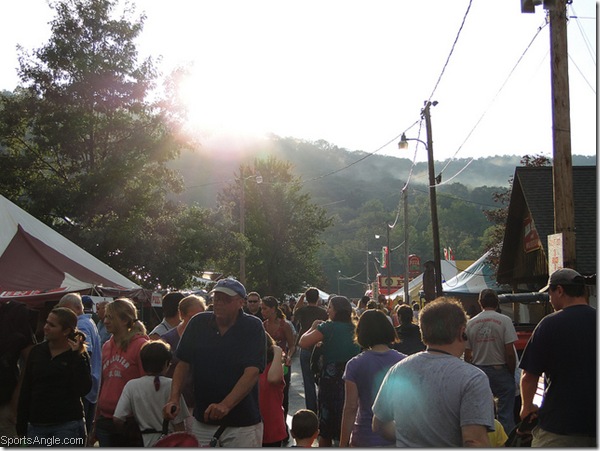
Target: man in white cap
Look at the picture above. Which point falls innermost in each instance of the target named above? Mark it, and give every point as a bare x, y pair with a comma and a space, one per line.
563, 348
225, 349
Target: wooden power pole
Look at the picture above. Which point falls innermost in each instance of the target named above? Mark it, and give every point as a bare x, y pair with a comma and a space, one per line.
562, 169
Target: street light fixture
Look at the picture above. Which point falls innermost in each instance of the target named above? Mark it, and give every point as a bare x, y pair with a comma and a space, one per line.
403, 144
258, 178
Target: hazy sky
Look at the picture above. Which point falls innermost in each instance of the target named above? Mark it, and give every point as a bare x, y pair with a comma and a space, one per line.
356, 73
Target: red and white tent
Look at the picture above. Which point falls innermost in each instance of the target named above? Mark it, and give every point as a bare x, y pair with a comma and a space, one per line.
38, 263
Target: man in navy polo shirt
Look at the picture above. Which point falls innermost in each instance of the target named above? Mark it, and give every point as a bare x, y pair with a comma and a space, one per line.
563, 348
226, 351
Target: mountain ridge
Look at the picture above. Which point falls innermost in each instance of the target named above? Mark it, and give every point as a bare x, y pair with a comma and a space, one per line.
208, 169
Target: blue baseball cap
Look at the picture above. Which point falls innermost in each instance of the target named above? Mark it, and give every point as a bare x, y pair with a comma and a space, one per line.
230, 287
87, 302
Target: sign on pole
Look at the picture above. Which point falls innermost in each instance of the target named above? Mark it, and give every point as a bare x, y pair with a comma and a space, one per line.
555, 252
156, 300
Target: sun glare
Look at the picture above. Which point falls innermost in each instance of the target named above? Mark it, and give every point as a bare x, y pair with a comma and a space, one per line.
223, 108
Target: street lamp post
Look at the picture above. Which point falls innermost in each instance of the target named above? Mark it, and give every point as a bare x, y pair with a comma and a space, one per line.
368, 263
369, 253
406, 273
388, 281
243, 179
403, 144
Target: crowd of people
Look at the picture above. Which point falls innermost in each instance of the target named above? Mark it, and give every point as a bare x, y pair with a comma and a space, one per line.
217, 370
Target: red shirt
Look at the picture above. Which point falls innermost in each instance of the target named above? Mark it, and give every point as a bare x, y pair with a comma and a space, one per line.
118, 368
270, 401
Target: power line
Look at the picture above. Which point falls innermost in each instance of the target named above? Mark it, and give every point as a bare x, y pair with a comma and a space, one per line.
519, 60
585, 38
581, 73
360, 159
451, 50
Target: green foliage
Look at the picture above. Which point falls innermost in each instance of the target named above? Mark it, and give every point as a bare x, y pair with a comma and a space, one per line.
282, 228
83, 148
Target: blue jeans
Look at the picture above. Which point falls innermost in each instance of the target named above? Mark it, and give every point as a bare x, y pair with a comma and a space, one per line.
310, 388
70, 433
502, 383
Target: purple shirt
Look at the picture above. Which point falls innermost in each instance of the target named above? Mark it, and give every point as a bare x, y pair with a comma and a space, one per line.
367, 371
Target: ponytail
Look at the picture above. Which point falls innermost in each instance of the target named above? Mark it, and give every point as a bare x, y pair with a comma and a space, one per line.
125, 309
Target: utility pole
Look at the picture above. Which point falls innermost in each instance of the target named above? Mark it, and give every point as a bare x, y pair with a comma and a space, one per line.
367, 264
433, 201
406, 273
243, 179
562, 168
388, 281
242, 225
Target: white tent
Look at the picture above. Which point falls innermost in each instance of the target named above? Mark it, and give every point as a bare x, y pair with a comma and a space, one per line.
478, 276
36, 262
449, 270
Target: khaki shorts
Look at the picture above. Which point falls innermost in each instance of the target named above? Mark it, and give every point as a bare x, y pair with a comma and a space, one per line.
232, 437
543, 439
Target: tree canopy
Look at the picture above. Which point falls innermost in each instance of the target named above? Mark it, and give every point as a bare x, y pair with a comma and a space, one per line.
84, 149
85, 142
282, 228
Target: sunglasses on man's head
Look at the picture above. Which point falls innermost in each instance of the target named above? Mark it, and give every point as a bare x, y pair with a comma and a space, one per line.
250, 301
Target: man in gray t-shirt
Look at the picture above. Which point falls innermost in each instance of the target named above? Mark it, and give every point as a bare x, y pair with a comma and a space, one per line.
492, 337
433, 398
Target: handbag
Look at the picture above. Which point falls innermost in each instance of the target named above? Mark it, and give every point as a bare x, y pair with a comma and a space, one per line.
521, 435
317, 359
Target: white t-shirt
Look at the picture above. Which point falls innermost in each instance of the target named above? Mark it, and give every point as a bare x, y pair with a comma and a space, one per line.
140, 399
161, 328
488, 332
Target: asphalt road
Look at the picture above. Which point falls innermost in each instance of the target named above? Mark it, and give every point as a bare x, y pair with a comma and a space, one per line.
296, 395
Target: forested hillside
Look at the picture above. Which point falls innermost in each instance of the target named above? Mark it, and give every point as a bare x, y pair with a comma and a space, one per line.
362, 192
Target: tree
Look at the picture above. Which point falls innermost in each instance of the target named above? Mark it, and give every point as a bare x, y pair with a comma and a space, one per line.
282, 229
83, 148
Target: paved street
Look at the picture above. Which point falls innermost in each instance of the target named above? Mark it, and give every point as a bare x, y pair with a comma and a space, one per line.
296, 400
296, 394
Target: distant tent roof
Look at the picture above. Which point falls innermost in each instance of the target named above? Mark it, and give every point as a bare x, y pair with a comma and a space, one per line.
475, 278
37, 262
449, 269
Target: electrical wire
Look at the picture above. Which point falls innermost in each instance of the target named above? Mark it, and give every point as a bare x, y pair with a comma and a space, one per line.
581, 73
413, 164
584, 36
451, 50
519, 60
351, 277
360, 159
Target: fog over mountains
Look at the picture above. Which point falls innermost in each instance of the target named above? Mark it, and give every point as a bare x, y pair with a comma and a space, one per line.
323, 165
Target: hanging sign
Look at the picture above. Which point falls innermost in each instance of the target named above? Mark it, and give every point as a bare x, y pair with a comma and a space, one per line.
531, 239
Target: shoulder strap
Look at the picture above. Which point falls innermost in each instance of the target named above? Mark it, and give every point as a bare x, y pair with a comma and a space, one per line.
215, 439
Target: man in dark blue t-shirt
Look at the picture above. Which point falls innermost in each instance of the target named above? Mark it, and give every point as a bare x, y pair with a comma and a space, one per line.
226, 351
563, 348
